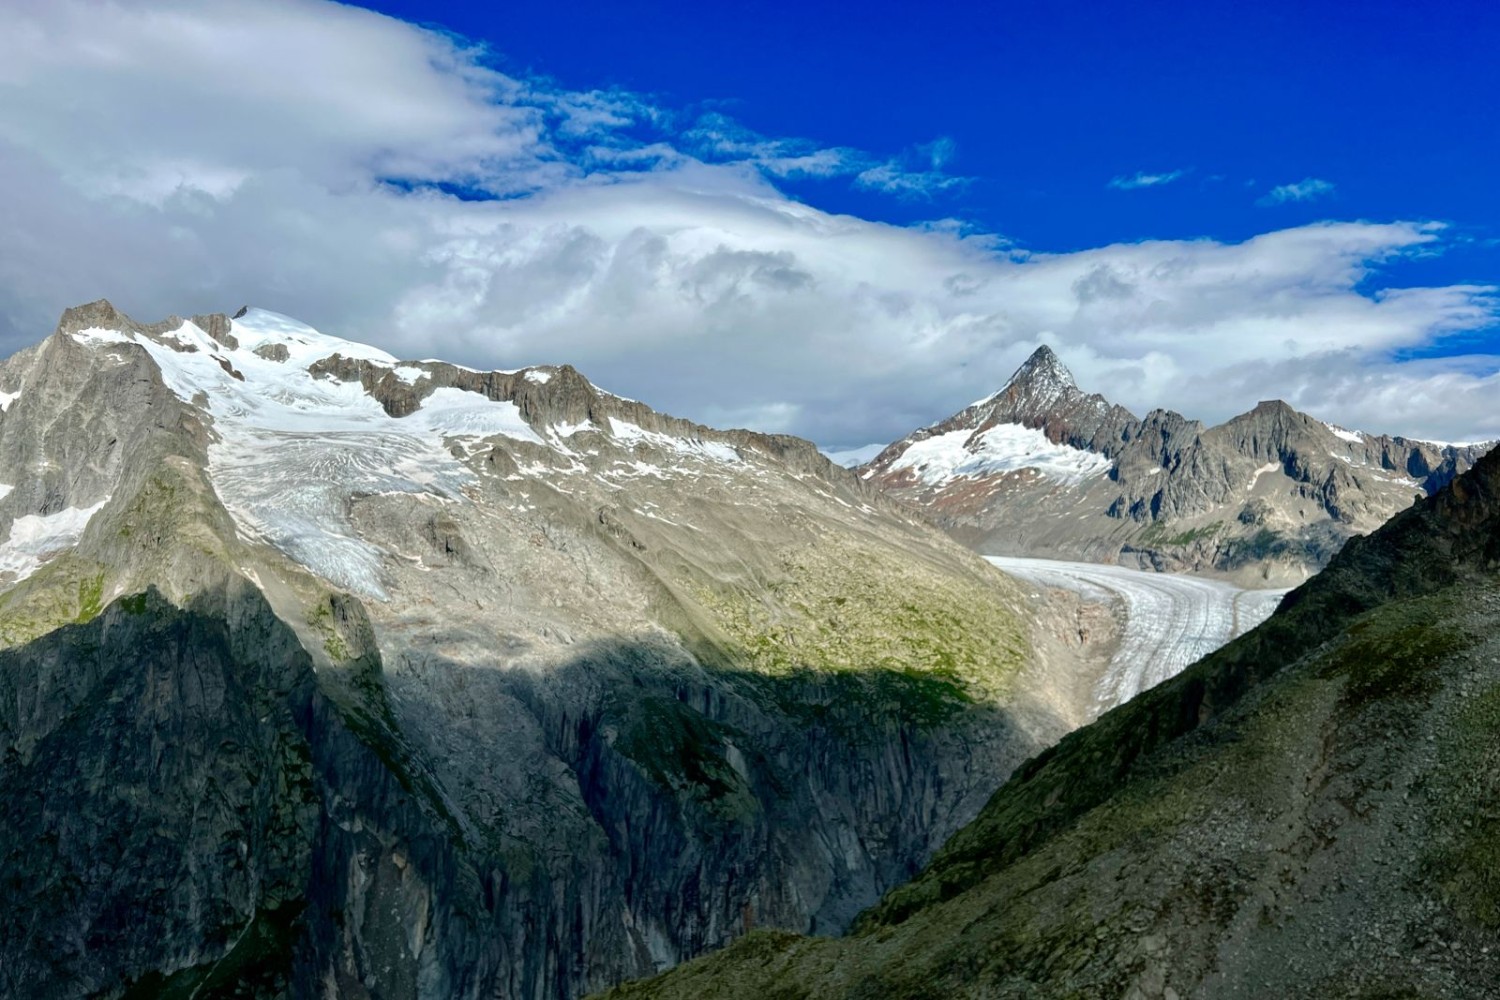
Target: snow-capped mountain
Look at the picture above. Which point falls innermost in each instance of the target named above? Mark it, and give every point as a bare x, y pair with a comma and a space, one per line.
328, 673
1041, 468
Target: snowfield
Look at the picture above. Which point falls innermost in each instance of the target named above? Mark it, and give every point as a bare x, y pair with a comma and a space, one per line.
292, 450
940, 459
1171, 620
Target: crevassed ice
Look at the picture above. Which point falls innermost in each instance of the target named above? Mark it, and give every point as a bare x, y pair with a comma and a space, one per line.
1003, 448
291, 449
34, 537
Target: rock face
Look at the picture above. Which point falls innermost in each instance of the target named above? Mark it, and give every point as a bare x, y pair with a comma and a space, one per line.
1042, 469
324, 674
1313, 811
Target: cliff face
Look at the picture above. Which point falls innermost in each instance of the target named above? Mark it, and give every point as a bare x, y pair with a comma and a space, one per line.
1313, 811
322, 674
1042, 469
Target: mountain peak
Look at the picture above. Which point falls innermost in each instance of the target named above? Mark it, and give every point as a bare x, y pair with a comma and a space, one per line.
1043, 368
100, 313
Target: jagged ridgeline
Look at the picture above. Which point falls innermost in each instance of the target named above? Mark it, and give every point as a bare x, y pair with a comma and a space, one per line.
327, 674
1041, 468
1311, 812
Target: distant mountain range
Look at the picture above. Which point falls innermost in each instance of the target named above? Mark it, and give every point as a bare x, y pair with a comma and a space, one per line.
1042, 468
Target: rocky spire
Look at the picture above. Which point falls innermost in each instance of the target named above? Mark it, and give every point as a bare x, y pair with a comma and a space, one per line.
1043, 369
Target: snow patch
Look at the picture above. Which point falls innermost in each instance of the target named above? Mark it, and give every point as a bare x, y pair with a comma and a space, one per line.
1353, 437
453, 412
5, 490
6, 398
35, 537
1268, 467
408, 373
98, 335
630, 434
1004, 448
538, 375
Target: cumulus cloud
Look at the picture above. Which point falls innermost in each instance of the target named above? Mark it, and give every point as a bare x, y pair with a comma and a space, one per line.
1307, 189
386, 183
1140, 179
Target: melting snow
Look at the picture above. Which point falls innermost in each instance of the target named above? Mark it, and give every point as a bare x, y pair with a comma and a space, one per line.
1003, 448
34, 537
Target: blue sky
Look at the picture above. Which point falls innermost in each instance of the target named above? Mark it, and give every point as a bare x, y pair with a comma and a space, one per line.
841, 222
1395, 106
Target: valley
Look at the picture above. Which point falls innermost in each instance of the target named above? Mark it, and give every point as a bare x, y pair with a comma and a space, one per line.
766, 501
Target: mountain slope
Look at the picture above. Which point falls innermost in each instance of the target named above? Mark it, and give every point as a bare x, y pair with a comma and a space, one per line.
1313, 811
1042, 469
323, 672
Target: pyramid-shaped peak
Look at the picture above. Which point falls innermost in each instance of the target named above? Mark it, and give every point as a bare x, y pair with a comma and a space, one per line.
1043, 368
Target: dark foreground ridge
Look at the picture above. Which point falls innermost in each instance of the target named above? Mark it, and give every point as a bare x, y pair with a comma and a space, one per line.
1313, 811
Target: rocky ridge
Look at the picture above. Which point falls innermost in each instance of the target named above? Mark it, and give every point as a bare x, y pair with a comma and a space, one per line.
325, 673
1313, 811
1043, 469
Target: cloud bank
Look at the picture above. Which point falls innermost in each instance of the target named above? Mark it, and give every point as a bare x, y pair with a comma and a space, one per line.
387, 183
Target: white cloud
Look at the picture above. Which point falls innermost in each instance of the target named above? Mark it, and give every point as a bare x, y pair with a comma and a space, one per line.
1141, 179
304, 156
1307, 189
